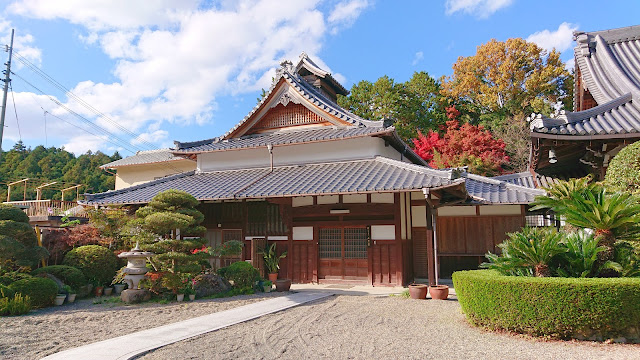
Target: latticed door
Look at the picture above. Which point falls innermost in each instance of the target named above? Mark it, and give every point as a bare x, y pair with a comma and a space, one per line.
343, 253
228, 235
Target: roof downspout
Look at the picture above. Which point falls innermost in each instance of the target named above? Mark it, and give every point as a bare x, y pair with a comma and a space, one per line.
427, 197
270, 148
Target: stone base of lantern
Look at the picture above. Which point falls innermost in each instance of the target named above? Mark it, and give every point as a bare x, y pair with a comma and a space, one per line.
133, 296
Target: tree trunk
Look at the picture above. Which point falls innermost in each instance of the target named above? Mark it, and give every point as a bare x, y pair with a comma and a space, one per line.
542, 270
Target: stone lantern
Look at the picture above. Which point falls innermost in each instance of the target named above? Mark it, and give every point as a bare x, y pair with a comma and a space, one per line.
134, 272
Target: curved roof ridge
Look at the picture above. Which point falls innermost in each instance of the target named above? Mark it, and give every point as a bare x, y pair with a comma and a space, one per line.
91, 197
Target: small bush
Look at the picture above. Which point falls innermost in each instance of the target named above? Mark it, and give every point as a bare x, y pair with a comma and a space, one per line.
13, 276
243, 274
10, 212
16, 305
623, 173
96, 262
68, 274
6, 292
602, 308
42, 291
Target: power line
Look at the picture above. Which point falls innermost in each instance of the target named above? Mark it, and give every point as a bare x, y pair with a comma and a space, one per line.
15, 111
81, 101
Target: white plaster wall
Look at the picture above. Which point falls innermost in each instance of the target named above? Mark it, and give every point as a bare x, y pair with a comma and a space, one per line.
354, 199
457, 211
385, 198
303, 233
383, 232
348, 149
138, 174
500, 210
328, 199
419, 216
302, 201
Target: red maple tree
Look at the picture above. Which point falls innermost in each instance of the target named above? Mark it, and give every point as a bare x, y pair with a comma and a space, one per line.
462, 145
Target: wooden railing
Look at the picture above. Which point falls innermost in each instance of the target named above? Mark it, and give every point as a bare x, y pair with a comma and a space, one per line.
47, 207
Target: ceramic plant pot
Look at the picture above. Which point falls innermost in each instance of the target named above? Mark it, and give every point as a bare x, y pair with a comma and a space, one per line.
71, 298
273, 277
59, 300
267, 288
108, 291
439, 292
418, 291
180, 297
192, 297
118, 288
98, 290
283, 285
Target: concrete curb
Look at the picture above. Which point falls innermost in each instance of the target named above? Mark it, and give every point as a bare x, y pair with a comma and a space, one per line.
129, 346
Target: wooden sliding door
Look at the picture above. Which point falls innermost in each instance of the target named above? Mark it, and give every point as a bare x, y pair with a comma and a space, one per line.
343, 253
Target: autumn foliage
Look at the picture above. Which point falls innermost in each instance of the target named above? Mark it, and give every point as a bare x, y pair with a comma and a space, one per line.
462, 145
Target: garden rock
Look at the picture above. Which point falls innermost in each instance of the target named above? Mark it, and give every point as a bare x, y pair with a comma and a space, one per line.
210, 284
134, 296
54, 278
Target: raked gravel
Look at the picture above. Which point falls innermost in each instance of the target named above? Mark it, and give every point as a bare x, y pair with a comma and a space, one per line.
50, 330
368, 327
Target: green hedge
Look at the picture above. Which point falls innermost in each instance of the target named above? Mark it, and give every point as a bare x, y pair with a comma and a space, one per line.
594, 308
241, 273
67, 274
6, 292
42, 291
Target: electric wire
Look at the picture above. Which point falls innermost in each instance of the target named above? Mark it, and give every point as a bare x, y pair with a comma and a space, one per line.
15, 110
81, 101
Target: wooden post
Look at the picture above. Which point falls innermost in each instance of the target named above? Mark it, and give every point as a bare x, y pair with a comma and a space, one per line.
14, 183
69, 188
39, 189
39, 237
429, 238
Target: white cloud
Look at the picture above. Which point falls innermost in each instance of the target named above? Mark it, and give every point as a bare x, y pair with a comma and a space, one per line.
173, 58
479, 8
81, 144
570, 64
560, 39
417, 58
151, 137
345, 13
23, 44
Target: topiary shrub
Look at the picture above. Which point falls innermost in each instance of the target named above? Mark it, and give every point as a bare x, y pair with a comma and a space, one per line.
10, 212
69, 275
42, 291
592, 308
96, 262
243, 274
623, 173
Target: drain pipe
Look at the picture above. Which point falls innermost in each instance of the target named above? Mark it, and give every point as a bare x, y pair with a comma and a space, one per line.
270, 148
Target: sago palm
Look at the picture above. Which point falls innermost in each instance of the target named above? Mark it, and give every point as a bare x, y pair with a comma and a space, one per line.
528, 252
582, 255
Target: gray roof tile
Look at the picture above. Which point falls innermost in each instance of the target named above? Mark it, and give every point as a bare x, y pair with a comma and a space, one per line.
359, 176
280, 138
144, 157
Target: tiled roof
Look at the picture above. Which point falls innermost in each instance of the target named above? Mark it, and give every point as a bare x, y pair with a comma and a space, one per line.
280, 138
492, 191
144, 157
528, 180
609, 62
311, 66
359, 176
523, 179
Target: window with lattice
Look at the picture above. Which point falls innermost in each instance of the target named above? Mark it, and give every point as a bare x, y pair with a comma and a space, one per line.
291, 115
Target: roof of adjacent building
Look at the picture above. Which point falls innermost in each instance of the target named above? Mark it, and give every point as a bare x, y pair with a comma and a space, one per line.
533, 181
378, 174
280, 138
144, 157
609, 63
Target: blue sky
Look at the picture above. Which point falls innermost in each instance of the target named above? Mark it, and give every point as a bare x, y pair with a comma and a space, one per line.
164, 70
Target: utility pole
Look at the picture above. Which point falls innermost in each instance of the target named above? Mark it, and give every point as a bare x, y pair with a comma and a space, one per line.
6, 90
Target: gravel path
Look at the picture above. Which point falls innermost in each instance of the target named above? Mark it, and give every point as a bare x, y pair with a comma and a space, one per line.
47, 331
366, 327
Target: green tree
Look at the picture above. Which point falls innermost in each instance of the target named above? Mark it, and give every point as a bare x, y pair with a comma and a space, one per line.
623, 173
157, 227
414, 105
18, 242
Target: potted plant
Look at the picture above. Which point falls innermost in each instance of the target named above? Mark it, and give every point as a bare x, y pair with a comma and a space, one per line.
272, 261
418, 291
97, 287
266, 285
118, 281
180, 296
108, 291
71, 294
60, 299
189, 290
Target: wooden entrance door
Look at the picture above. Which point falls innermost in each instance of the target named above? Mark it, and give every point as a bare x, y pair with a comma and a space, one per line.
343, 253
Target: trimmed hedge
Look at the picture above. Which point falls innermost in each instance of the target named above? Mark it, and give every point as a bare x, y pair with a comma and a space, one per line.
243, 274
68, 274
42, 291
593, 308
96, 262
10, 212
